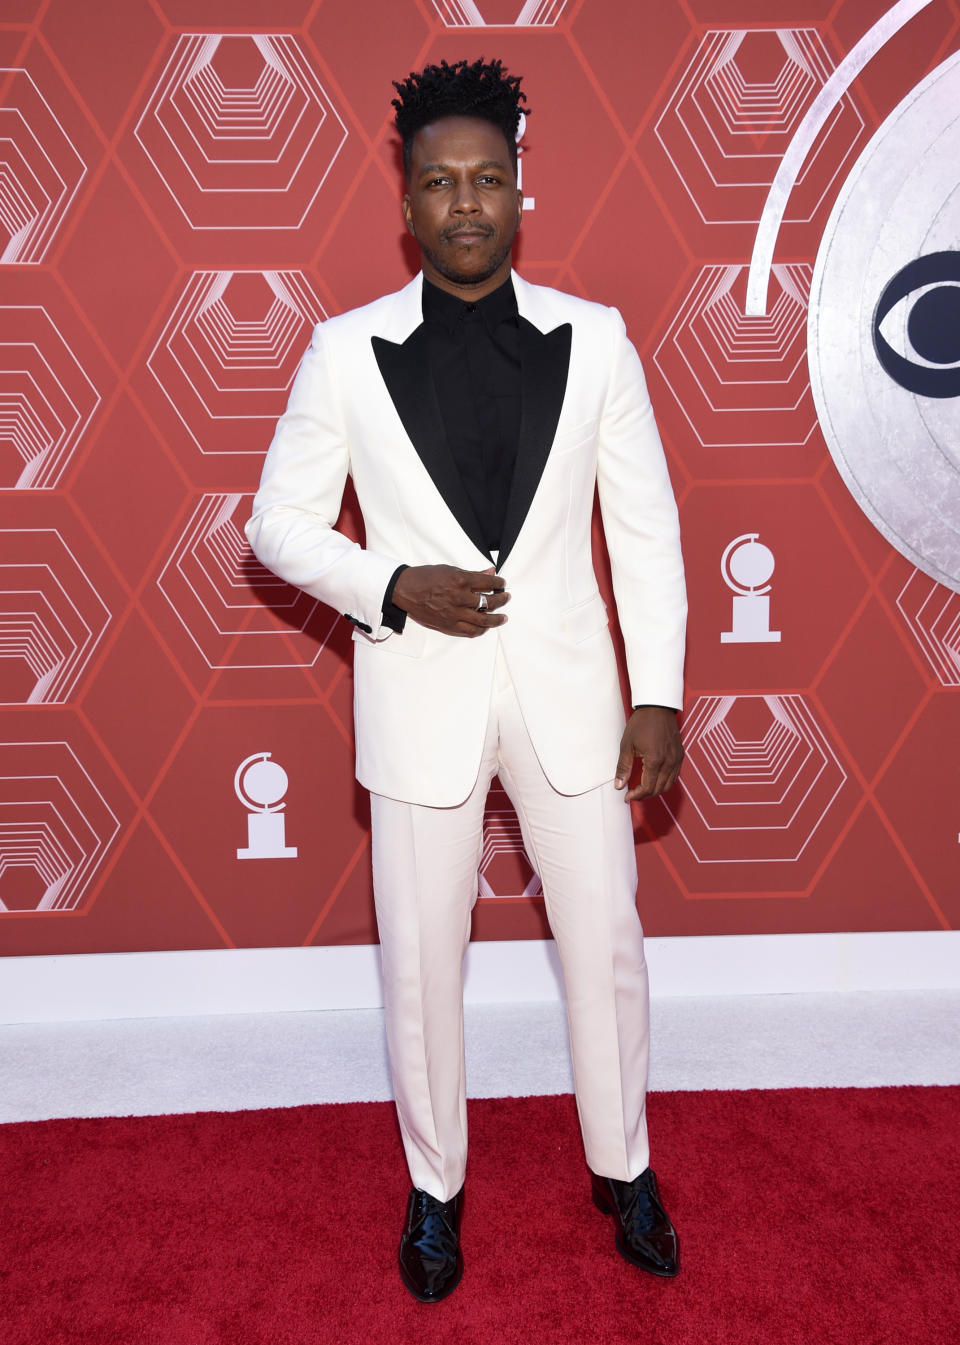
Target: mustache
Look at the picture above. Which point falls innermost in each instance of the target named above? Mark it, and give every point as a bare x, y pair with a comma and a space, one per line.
467, 229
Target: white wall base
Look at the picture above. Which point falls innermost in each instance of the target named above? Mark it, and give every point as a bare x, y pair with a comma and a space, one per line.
275, 980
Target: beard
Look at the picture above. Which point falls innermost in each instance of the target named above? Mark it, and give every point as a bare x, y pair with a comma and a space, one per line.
457, 277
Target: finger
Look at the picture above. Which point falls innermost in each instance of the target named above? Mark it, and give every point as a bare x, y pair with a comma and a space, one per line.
672, 769
488, 623
470, 601
672, 778
475, 623
495, 600
484, 581
648, 781
471, 605
483, 619
661, 779
624, 767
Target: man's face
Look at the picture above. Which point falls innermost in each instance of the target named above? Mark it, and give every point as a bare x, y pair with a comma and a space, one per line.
462, 204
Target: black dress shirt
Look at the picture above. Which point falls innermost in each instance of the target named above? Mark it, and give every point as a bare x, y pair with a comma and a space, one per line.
473, 350
474, 355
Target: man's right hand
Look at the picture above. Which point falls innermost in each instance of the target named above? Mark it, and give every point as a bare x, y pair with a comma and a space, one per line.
445, 598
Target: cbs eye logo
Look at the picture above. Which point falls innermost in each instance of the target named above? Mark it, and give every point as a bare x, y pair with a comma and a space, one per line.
920, 347
883, 327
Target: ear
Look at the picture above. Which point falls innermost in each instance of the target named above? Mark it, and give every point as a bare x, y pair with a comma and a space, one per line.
519, 206
408, 215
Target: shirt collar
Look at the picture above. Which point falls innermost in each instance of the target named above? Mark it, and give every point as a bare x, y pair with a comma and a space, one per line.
498, 306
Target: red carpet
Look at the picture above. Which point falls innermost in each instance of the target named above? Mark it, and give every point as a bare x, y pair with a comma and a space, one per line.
813, 1216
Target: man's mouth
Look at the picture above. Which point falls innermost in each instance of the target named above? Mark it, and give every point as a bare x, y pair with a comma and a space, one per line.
474, 232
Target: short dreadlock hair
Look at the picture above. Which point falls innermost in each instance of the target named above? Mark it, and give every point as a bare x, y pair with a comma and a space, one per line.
460, 90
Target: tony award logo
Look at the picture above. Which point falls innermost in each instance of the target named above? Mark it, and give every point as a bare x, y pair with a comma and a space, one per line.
746, 566
260, 785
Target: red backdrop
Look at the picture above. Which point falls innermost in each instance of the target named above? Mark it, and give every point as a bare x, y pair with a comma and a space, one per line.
188, 186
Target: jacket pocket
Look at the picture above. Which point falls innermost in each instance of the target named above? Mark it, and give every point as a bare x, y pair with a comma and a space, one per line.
574, 437
410, 642
585, 619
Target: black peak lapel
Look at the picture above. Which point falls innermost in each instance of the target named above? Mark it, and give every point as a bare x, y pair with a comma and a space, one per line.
406, 371
545, 363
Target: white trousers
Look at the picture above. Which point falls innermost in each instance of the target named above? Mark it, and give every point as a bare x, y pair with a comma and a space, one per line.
425, 865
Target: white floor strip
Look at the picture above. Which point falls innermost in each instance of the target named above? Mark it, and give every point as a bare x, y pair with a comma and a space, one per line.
232, 1062
196, 982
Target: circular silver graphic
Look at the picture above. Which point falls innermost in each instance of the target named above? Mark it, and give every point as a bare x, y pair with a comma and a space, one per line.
883, 333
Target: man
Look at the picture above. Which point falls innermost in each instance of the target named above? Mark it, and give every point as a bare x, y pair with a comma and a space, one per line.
476, 414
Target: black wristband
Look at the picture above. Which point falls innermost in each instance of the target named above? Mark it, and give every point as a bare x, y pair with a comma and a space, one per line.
393, 616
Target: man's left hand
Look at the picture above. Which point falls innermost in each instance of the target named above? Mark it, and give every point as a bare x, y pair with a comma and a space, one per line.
652, 735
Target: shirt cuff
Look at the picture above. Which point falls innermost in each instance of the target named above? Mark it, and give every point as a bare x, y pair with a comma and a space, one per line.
394, 617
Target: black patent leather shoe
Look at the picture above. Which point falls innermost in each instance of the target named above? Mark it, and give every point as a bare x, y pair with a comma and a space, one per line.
645, 1235
431, 1262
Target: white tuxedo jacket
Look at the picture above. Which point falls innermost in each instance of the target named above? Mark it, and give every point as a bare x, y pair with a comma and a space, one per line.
363, 403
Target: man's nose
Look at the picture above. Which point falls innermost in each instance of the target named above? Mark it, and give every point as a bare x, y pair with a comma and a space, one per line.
465, 200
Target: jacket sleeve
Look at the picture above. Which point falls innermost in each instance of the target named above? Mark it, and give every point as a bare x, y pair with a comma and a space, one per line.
291, 529
642, 531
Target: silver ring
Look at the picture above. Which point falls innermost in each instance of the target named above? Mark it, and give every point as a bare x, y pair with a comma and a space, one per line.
482, 604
